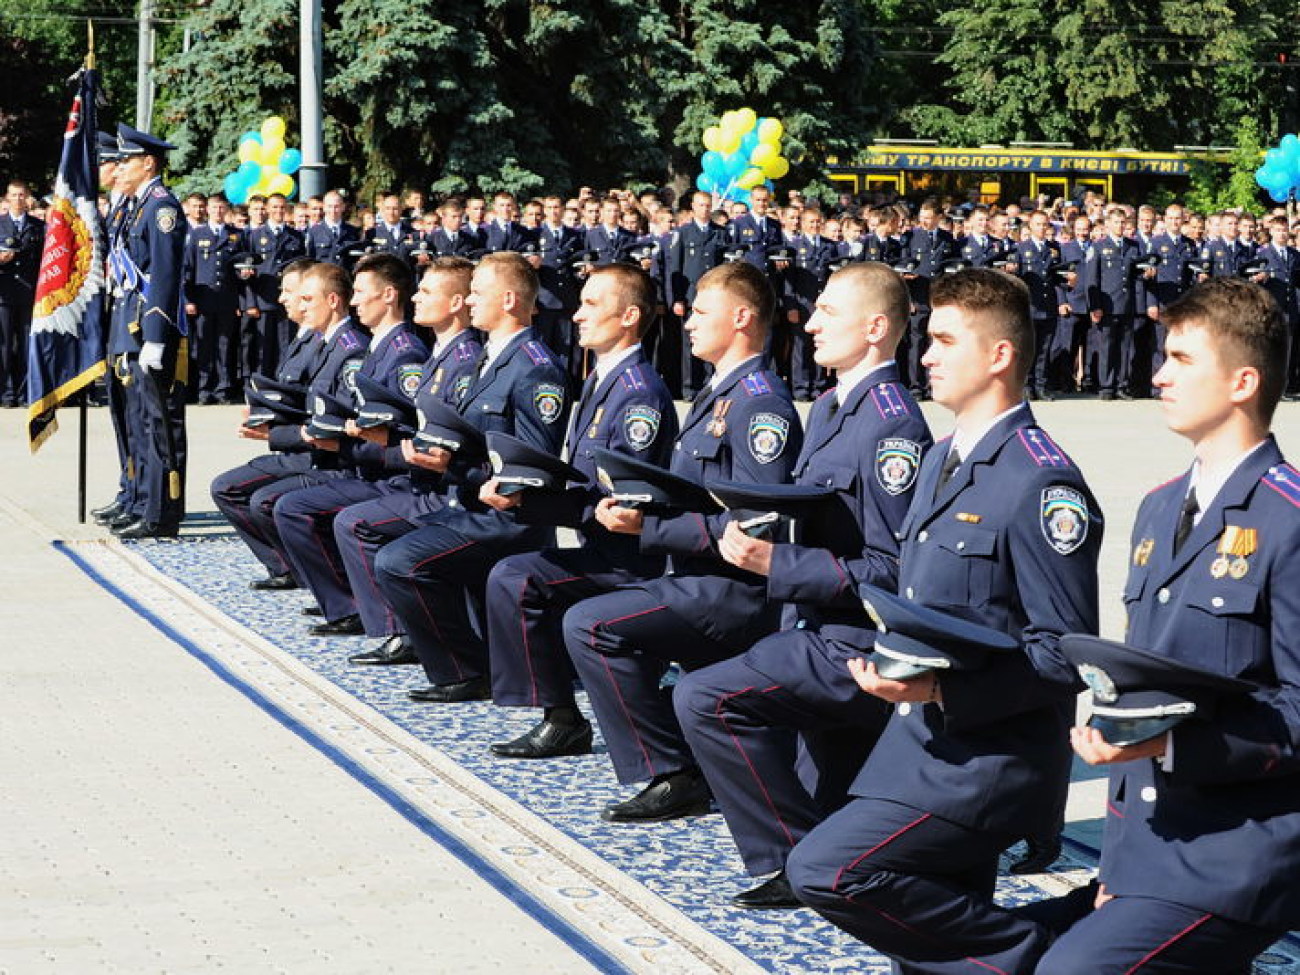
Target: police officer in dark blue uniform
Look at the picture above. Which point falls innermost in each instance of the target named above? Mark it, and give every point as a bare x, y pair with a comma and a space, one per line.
273, 246
147, 337
743, 427
1226, 253
361, 530
304, 518
212, 304
696, 249
1115, 292
504, 231
609, 237
1200, 853
804, 281
324, 363
1036, 261
625, 407
1004, 533
428, 575
392, 232
331, 239
758, 229
743, 717
1281, 279
557, 294
1172, 277
21, 238
978, 248
925, 249
1074, 324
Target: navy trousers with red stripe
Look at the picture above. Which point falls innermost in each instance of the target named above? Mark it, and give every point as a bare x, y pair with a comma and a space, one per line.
746, 720
622, 644
233, 491
916, 888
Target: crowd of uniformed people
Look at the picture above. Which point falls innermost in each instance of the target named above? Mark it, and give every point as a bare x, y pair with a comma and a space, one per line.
863, 646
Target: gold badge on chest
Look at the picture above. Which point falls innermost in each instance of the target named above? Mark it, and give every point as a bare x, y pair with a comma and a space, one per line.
1142, 551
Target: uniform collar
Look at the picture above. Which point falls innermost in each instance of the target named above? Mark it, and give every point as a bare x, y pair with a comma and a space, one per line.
607, 367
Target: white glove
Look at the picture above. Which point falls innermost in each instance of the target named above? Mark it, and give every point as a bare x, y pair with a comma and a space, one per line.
151, 356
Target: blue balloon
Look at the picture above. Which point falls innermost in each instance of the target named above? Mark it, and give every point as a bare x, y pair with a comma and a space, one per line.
251, 134
737, 162
250, 172
290, 161
1279, 196
748, 143
705, 183
713, 164
236, 190
740, 196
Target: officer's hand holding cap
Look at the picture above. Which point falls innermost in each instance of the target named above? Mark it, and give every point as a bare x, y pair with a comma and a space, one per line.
519, 466
636, 483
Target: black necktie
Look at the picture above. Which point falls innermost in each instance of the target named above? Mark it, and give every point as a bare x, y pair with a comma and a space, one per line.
1186, 520
950, 465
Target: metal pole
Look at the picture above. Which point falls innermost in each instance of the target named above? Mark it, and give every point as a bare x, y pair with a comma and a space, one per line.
312, 175
144, 67
81, 457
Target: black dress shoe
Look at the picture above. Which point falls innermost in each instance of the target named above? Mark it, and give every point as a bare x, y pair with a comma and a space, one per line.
1106, 394
1039, 855
393, 651
312, 611
672, 796
474, 689
147, 529
343, 626
546, 739
121, 520
275, 583
772, 894
106, 514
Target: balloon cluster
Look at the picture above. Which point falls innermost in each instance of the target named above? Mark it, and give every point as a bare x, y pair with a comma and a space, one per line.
741, 151
265, 165
1280, 174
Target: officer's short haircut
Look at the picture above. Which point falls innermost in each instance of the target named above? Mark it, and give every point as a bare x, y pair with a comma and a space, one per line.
452, 205
455, 269
257, 198
394, 272
333, 280
1115, 211
20, 184
879, 288
749, 285
998, 303
191, 197
633, 288
517, 274
301, 266
218, 196
503, 195
1248, 327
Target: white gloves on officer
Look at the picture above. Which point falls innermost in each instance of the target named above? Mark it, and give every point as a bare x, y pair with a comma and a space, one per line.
151, 356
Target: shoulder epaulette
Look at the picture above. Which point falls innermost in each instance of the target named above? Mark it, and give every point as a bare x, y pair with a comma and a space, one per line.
159, 193
756, 384
632, 378
401, 341
465, 351
1042, 448
537, 352
349, 341
889, 400
1285, 480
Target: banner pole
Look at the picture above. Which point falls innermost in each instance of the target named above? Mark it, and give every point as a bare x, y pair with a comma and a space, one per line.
81, 456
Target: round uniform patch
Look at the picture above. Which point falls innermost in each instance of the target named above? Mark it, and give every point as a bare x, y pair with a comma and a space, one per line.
768, 434
349, 374
549, 400
641, 426
166, 219
897, 461
1099, 682
408, 379
1063, 516
461, 387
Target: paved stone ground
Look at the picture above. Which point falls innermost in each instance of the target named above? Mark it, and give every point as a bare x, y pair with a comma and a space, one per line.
155, 821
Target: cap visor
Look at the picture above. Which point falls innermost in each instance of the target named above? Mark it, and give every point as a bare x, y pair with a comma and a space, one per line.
1122, 732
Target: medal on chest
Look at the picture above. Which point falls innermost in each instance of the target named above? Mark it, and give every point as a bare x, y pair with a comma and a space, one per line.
718, 424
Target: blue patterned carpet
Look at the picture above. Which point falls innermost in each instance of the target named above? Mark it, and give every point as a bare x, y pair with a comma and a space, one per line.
691, 864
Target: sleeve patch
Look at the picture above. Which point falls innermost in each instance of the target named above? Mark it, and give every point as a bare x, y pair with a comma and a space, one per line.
768, 435
897, 463
1042, 449
349, 374
641, 426
549, 400
1063, 516
166, 218
1285, 480
408, 379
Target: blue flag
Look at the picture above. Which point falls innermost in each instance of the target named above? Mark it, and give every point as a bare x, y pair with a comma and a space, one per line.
66, 350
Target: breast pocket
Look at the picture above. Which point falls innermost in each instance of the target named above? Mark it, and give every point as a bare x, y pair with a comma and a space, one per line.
959, 564
1226, 623
494, 415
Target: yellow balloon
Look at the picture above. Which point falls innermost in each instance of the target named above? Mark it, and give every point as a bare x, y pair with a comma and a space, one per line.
762, 155
281, 183
728, 121
271, 151
747, 118
250, 150
712, 137
777, 168
273, 129
729, 143
268, 173
770, 131
750, 178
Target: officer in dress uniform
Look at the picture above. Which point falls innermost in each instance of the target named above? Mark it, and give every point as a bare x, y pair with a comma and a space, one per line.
696, 250
978, 248
557, 294
1003, 533
147, 338
743, 717
304, 518
1172, 277
504, 232
804, 282
324, 363
332, 237
1225, 253
1073, 322
925, 248
1282, 281
361, 530
392, 232
1200, 854
22, 237
212, 304
625, 408
273, 246
756, 230
743, 427
428, 575
1115, 292
608, 238
881, 245
1036, 260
